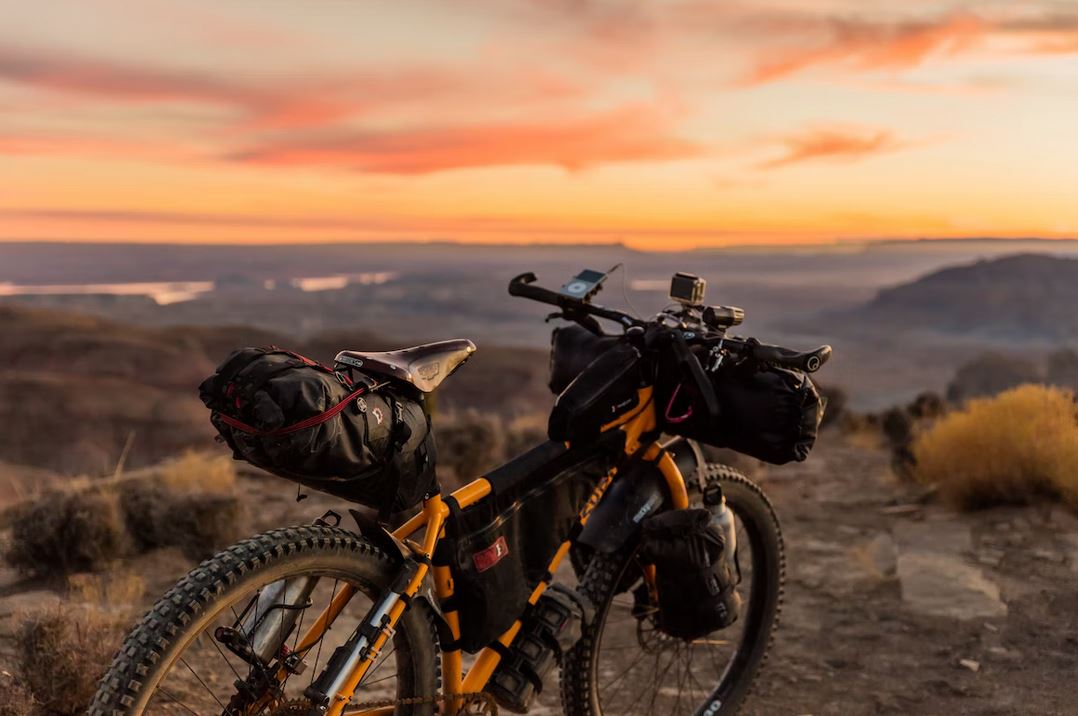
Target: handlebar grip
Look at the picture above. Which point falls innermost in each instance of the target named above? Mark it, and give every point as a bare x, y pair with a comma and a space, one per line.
521, 286
808, 361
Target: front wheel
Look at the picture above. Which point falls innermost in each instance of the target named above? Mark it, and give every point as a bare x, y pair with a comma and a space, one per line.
178, 660
624, 665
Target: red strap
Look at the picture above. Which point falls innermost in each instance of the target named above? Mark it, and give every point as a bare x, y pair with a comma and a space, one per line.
303, 424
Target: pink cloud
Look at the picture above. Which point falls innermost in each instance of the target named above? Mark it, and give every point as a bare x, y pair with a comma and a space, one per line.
625, 135
834, 144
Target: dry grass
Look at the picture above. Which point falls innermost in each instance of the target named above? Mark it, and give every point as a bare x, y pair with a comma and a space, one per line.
188, 503
116, 592
199, 523
68, 532
199, 472
468, 444
62, 655
15, 696
1016, 447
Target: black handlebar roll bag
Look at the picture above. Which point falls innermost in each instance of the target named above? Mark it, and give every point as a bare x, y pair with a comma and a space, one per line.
771, 414
344, 434
572, 349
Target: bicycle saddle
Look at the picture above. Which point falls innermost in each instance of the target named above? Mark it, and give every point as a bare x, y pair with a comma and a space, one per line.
424, 366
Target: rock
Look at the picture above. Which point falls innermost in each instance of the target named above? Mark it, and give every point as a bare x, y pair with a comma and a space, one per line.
936, 578
1048, 555
970, 664
944, 585
878, 555
1000, 653
991, 557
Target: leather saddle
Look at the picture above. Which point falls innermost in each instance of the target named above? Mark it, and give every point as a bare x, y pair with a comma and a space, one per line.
424, 366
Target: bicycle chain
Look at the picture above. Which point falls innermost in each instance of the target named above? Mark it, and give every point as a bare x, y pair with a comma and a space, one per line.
486, 706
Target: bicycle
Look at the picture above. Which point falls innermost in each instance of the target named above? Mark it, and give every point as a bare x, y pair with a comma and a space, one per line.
369, 613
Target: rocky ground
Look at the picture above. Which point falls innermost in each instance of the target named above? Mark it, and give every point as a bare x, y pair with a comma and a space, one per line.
893, 605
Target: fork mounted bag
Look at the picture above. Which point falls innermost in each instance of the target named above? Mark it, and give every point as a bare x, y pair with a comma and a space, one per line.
696, 588
347, 435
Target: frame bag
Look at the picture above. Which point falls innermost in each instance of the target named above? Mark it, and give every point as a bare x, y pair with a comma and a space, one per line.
696, 588
605, 390
347, 435
572, 348
499, 548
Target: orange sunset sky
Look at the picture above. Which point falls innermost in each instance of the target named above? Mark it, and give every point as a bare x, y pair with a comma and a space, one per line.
660, 124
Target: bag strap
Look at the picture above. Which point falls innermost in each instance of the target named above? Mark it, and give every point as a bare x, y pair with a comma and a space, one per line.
310, 422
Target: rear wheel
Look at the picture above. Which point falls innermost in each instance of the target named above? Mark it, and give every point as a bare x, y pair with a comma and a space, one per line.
176, 661
624, 665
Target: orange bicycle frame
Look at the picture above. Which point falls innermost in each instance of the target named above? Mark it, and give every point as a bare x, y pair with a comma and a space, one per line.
636, 424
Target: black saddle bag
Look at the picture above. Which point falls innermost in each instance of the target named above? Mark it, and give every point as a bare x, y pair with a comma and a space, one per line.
345, 434
772, 414
696, 587
499, 548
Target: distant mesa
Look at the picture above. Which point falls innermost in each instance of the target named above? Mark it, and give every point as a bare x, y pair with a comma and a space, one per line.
1021, 297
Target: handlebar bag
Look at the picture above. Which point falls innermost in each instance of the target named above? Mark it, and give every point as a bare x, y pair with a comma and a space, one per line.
605, 390
500, 548
771, 414
344, 434
696, 587
572, 348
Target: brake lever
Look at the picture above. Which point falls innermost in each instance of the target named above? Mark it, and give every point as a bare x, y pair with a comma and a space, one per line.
581, 319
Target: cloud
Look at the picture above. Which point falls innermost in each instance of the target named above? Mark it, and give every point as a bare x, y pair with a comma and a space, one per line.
866, 44
834, 144
862, 45
281, 103
629, 134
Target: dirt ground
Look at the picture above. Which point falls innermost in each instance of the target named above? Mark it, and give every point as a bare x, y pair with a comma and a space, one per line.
894, 608
891, 606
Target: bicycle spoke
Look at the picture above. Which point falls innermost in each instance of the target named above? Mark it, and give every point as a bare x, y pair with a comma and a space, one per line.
176, 701
199, 678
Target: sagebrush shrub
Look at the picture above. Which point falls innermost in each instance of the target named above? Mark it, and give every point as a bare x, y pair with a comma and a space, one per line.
62, 655
198, 523
68, 532
1013, 448
15, 697
199, 472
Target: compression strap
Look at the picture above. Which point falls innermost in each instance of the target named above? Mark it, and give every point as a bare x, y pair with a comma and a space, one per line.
303, 424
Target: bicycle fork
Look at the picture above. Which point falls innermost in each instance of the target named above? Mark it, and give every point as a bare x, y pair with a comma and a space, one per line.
363, 646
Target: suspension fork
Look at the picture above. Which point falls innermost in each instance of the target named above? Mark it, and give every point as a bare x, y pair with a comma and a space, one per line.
333, 688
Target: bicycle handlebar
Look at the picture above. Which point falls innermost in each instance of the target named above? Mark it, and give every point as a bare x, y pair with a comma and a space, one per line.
522, 286
806, 361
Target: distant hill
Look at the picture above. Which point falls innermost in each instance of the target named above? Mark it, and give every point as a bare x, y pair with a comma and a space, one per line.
75, 389
1022, 297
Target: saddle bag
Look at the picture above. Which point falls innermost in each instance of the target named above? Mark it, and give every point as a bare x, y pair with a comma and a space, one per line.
696, 586
771, 414
572, 348
605, 390
345, 434
500, 548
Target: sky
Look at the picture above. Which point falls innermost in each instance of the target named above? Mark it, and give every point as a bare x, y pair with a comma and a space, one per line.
660, 124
